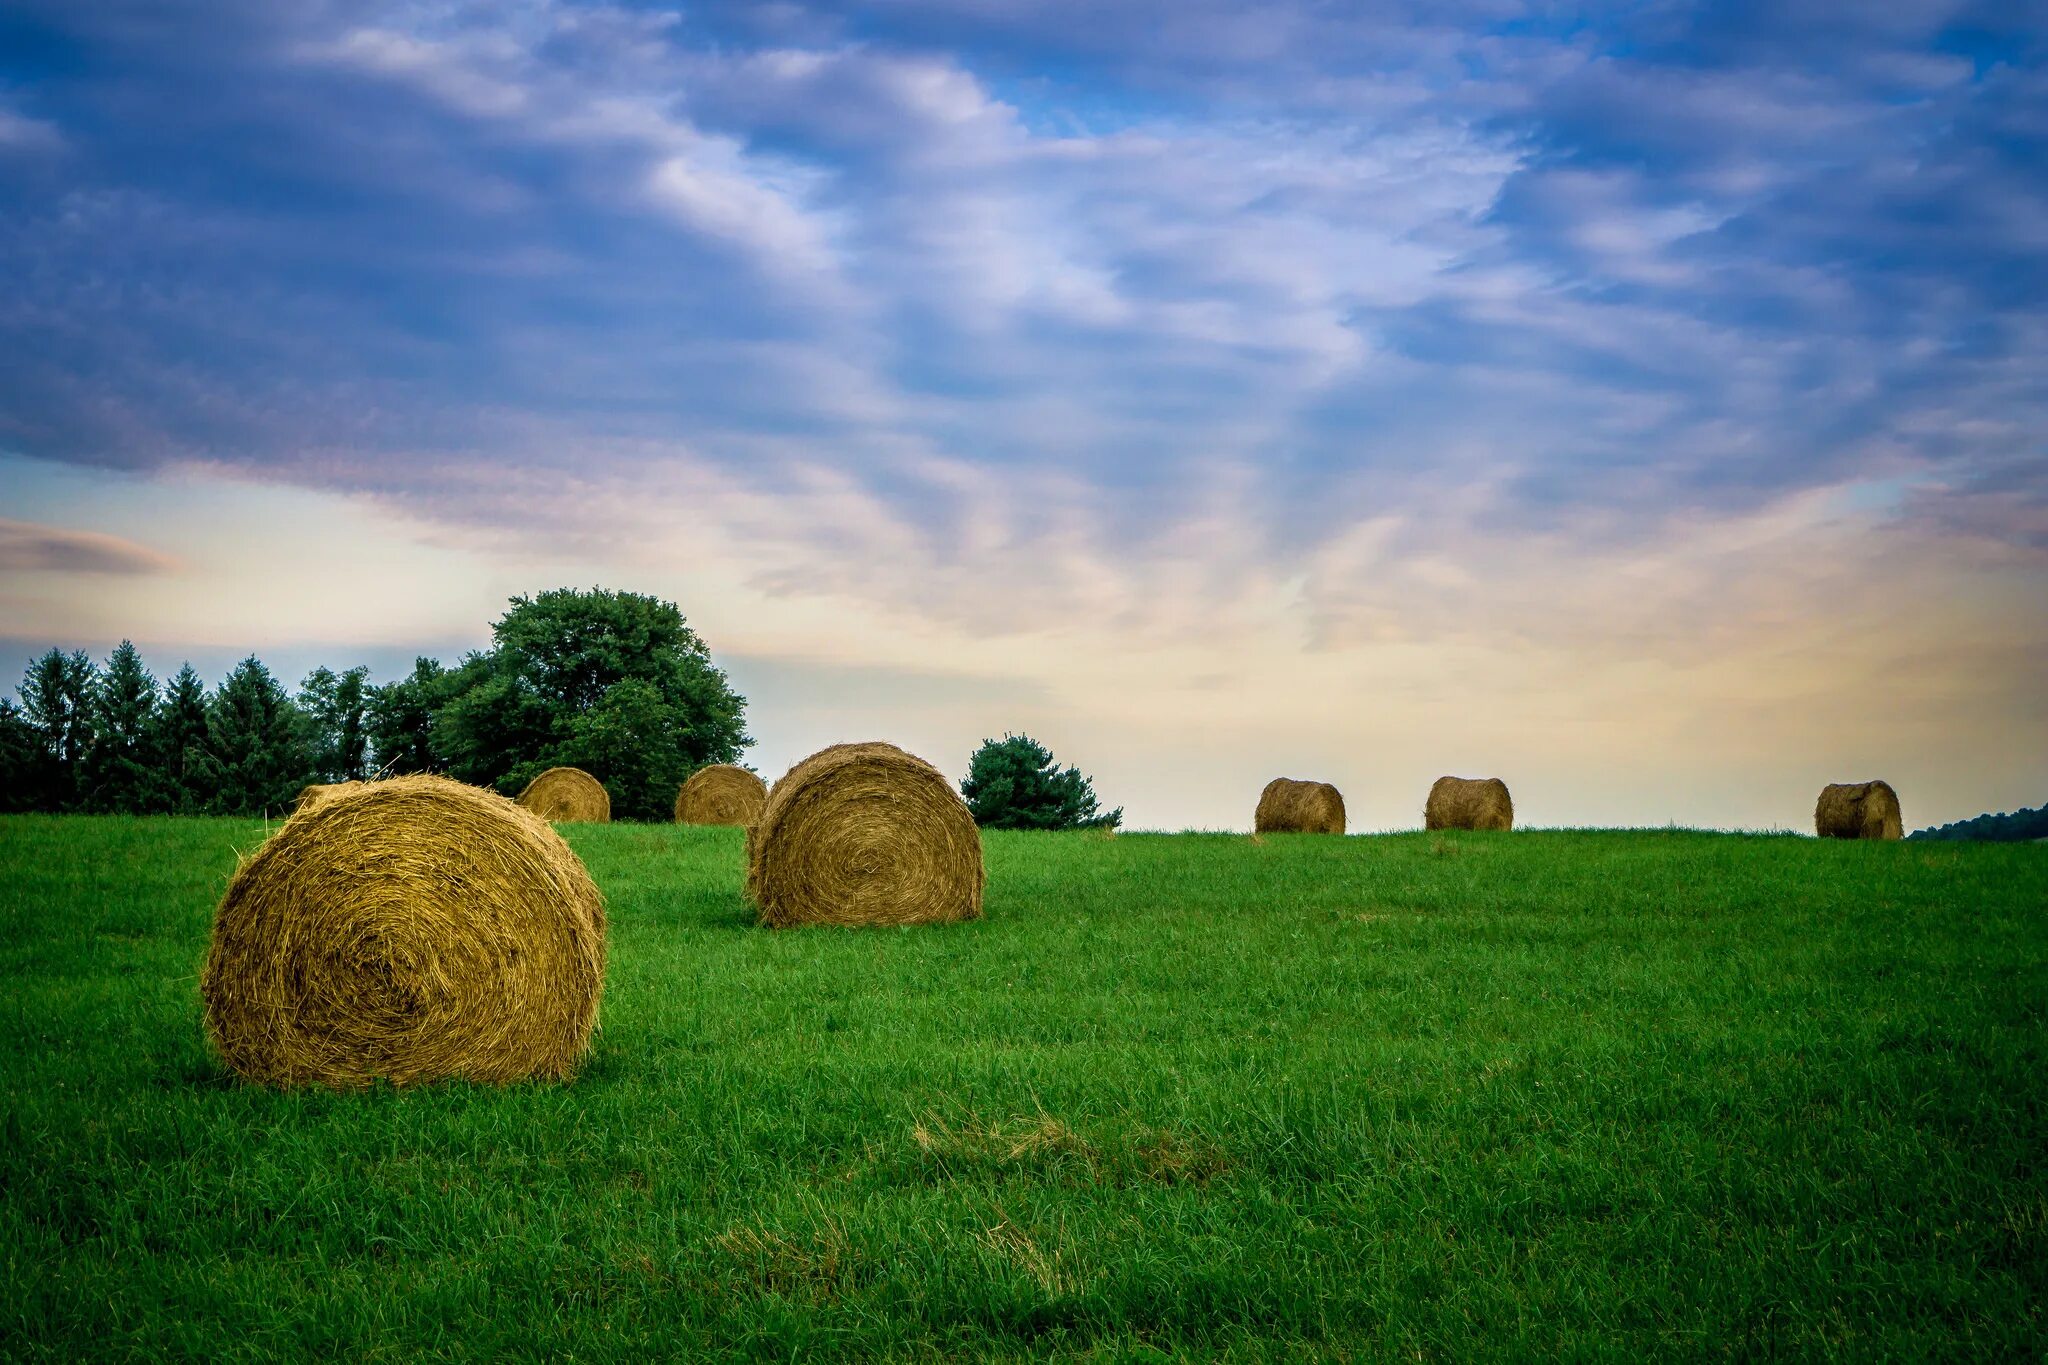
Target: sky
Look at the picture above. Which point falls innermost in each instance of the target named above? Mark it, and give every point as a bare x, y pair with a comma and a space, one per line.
1645, 403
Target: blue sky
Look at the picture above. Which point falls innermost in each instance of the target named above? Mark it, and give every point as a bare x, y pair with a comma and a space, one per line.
1583, 393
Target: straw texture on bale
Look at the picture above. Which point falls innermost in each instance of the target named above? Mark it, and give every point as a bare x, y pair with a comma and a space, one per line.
1469, 803
317, 794
1290, 807
864, 834
1858, 810
722, 794
567, 795
412, 930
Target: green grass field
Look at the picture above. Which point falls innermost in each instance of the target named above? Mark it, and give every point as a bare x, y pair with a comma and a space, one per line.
1407, 1096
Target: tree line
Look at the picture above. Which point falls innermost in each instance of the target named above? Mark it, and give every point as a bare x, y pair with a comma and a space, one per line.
2009, 827
614, 683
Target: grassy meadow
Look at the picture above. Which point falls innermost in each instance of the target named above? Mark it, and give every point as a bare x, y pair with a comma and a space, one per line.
1406, 1096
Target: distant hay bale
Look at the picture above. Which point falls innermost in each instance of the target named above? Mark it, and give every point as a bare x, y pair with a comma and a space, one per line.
316, 794
864, 834
722, 794
1469, 803
1857, 810
567, 796
418, 930
1290, 807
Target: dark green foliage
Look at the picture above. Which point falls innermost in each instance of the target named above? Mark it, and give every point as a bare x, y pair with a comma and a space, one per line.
1014, 783
401, 719
257, 756
2020, 826
56, 700
20, 759
1541, 1096
177, 746
579, 679
120, 770
335, 709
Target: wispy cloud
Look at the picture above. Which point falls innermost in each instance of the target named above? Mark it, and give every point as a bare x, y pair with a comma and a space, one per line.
26, 547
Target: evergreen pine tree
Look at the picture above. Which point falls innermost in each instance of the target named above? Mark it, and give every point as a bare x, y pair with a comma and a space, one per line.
20, 759
1013, 783
119, 773
177, 747
256, 743
56, 699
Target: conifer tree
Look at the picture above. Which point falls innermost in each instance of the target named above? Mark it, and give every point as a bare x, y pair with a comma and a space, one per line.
335, 707
177, 747
56, 699
256, 744
119, 773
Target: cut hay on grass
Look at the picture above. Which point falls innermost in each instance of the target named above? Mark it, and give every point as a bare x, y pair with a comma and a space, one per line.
722, 794
1857, 810
316, 794
864, 834
1290, 807
1469, 803
412, 930
568, 795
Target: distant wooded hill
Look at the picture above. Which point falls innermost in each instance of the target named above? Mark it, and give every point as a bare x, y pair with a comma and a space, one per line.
2017, 827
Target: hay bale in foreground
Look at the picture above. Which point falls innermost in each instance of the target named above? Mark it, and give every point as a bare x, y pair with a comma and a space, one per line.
567, 795
1858, 810
722, 794
1468, 803
864, 834
1290, 807
416, 930
317, 794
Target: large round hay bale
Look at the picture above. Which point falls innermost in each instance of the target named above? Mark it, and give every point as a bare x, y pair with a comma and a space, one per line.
1857, 810
1469, 803
567, 795
722, 794
864, 834
412, 930
1290, 807
316, 794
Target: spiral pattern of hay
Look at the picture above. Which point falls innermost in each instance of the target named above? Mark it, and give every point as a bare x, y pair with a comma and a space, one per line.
722, 794
1858, 810
568, 796
411, 930
316, 794
1469, 803
864, 834
1290, 807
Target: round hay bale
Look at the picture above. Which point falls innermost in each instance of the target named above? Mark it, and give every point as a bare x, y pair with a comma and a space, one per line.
1469, 803
1290, 807
722, 794
316, 794
420, 929
567, 796
864, 834
1858, 810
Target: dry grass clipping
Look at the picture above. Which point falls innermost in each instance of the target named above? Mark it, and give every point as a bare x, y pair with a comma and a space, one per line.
1858, 810
864, 834
411, 930
1469, 803
568, 796
722, 794
317, 794
1290, 807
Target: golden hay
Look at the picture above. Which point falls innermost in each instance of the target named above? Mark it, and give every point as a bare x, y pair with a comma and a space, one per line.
1857, 810
315, 794
1290, 807
722, 794
1469, 803
864, 834
412, 930
567, 795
